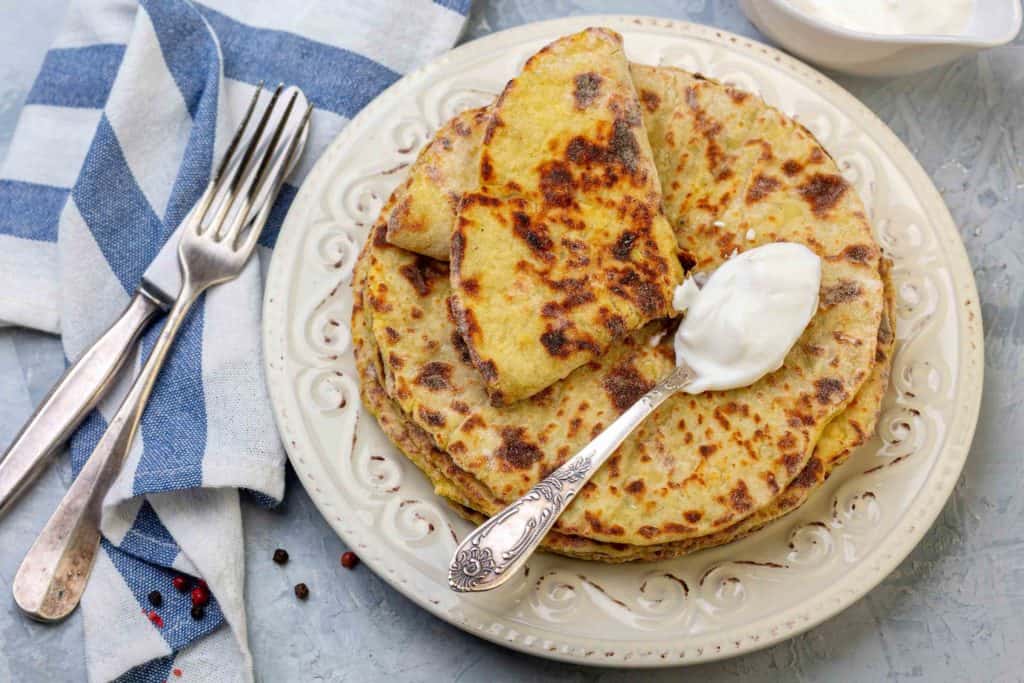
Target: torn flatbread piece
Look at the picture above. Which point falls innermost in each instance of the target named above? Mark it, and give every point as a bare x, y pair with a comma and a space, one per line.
562, 249
427, 203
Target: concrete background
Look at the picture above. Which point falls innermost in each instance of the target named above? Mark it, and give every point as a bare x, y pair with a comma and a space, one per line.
954, 610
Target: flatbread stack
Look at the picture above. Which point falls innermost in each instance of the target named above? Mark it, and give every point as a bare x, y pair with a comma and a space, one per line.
514, 298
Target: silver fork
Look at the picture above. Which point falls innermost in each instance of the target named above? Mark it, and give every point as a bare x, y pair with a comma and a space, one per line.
219, 237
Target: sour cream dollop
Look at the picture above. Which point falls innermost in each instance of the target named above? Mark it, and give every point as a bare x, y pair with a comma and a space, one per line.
742, 323
892, 17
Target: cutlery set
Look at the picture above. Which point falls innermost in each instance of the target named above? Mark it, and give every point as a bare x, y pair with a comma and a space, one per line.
213, 244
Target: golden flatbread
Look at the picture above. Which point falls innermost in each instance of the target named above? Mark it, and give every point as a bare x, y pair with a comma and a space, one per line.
562, 249
735, 173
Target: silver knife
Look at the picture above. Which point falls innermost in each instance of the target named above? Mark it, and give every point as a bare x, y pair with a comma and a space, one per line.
88, 379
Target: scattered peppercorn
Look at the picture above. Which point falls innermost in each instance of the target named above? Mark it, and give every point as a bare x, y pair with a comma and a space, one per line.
281, 556
198, 612
202, 584
156, 599
200, 596
349, 559
181, 584
301, 591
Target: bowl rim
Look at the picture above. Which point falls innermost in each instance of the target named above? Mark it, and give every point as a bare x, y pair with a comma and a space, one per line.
897, 39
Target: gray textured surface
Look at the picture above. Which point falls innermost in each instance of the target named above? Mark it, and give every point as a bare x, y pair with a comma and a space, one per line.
954, 610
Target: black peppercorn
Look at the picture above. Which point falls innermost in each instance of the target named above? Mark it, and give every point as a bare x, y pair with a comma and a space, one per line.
198, 612
301, 591
281, 556
155, 599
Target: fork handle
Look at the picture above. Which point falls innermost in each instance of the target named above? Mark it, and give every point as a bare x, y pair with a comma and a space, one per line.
53, 575
71, 399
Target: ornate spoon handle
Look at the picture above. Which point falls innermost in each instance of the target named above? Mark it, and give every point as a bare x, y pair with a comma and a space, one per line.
493, 552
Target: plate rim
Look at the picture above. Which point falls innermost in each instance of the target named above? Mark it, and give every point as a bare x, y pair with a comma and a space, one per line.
907, 532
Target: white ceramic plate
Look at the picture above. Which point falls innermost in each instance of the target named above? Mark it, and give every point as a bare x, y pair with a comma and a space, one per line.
718, 603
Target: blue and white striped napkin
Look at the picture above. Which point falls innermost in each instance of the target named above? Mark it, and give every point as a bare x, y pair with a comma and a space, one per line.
127, 117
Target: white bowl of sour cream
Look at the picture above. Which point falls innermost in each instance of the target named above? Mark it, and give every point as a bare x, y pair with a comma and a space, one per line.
885, 37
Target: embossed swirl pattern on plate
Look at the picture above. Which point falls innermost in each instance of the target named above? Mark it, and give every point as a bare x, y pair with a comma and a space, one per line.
566, 604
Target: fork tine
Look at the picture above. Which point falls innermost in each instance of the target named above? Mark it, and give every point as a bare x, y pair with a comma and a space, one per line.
265, 203
239, 131
273, 145
255, 180
204, 202
240, 170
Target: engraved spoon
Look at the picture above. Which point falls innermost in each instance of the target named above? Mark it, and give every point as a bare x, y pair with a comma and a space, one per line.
496, 549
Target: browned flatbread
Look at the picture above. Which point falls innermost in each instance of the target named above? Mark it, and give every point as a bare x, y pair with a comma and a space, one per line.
444, 171
847, 431
699, 464
562, 249
735, 173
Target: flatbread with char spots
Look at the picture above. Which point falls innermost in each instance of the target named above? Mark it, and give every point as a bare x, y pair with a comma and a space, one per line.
427, 203
848, 430
700, 465
562, 248
704, 167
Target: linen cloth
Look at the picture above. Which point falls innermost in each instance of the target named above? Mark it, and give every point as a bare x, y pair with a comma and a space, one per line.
118, 137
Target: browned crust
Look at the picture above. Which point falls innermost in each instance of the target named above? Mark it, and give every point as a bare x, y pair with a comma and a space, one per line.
468, 497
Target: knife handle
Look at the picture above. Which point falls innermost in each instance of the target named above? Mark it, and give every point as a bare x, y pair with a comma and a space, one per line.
70, 400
